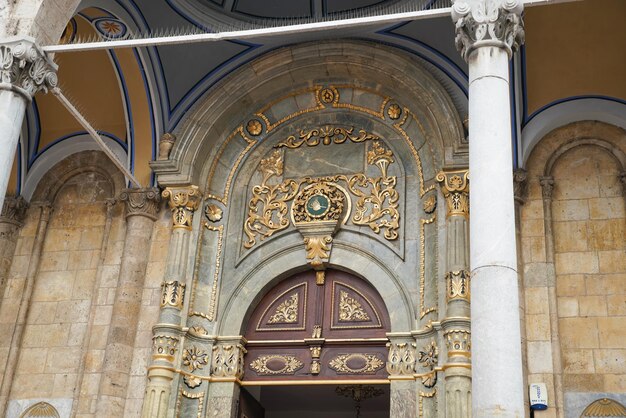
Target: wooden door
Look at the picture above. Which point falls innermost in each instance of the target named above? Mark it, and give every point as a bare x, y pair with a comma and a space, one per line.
303, 331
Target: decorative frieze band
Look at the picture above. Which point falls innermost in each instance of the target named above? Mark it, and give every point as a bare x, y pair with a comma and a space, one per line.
141, 202
455, 188
488, 23
183, 202
25, 68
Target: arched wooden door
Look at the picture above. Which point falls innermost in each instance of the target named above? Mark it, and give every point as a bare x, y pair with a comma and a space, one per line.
304, 331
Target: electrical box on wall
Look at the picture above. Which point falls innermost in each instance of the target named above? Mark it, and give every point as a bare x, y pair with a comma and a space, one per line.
538, 396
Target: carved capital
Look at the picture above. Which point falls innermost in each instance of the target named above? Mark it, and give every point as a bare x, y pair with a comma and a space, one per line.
622, 179
520, 185
455, 188
482, 23
458, 342
183, 202
25, 68
458, 285
172, 295
13, 210
141, 202
227, 359
401, 359
164, 347
547, 187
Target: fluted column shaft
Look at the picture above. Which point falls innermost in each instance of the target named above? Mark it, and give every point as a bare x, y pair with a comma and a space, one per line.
487, 32
141, 209
24, 70
183, 202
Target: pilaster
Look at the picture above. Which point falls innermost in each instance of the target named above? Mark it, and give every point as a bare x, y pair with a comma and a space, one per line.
487, 33
454, 185
167, 333
142, 206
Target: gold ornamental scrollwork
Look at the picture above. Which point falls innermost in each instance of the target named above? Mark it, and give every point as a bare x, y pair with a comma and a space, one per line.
326, 135
183, 202
286, 312
371, 363
172, 294
290, 365
458, 285
267, 209
350, 310
401, 359
195, 358
455, 188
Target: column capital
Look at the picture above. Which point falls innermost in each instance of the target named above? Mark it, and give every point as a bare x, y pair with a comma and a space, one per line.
183, 202
25, 68
141, 202
547, 186
488, 23
520, 185
13, 210
455, 188
228, 358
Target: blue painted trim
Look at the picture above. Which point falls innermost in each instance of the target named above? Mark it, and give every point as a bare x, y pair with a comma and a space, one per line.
74, 134
129, 110
32, 152
187, 17
18, 189
574, 98
512, 99
524, 85
387, 32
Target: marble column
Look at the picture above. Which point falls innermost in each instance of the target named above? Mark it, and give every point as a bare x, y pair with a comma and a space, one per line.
456, 325
13, 211
487, 32
142, 206
24, 70
167, 333
22, 313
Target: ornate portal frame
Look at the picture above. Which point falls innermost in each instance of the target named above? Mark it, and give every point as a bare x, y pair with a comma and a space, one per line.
262, 220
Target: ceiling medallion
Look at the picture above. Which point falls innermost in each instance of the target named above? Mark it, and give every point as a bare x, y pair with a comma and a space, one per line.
254, 127
394, 111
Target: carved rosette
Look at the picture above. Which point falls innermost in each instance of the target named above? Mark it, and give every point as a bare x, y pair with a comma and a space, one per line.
14, 210
458, 285
227, 360
455, 188
172, 295
428, 358
25, 68
195, 358
496, 23
141, 202
164, 347
183, 202
401, 359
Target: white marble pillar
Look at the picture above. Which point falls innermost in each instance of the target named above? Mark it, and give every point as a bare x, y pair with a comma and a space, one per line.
24, 70
487, 32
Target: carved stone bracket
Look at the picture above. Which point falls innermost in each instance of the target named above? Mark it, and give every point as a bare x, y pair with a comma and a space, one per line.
227, 361
14, 210
183, 202
173, 295
455, 188
25, 68
401, 359
520, 185
547, 187
488, 23
141, 202
458, 285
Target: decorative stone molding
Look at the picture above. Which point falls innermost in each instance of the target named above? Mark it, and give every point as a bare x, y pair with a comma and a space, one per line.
228, 360
482, 23
14, 210
547, 187
25, 68
455, 188
183, 202
458, 285
164, 347
141, 202
173, 295
401, 360
166, 142
520, 185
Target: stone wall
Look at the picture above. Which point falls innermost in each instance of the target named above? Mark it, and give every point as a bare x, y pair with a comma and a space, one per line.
573, 247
